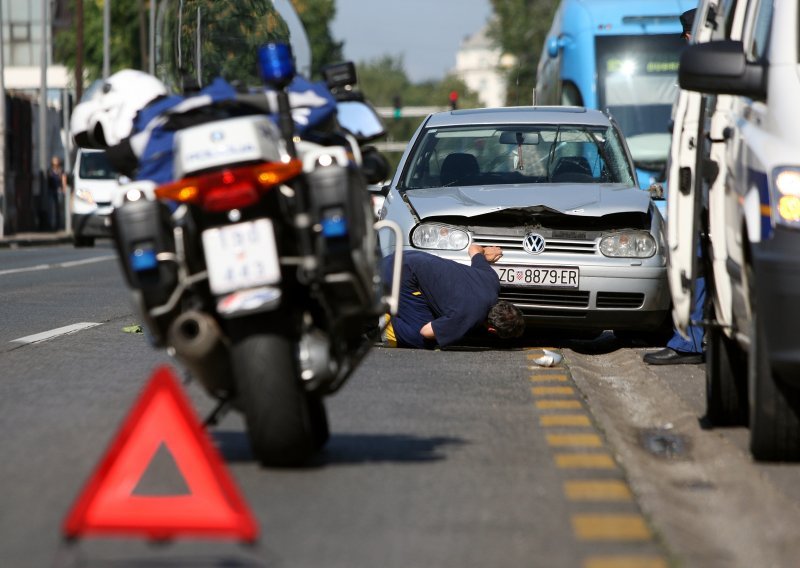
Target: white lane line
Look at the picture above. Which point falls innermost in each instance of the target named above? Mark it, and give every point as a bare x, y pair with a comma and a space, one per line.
67, 264
45, 335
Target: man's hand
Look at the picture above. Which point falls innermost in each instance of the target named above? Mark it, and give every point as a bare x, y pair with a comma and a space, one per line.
491, 253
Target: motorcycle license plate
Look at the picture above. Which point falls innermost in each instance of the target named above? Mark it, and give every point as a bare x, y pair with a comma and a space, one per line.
241, 256
549, 276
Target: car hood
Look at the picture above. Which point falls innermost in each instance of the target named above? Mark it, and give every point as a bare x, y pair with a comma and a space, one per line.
569, 199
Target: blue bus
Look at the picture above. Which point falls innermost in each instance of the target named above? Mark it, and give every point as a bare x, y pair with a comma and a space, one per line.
619, 55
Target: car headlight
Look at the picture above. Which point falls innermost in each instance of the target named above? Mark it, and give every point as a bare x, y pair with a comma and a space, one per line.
786, 202
628, 244
84, 195
441, 237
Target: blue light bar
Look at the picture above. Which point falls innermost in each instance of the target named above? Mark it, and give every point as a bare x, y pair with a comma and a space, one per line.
276, 63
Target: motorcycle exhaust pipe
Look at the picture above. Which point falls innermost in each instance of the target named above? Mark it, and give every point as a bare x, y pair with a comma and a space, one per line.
200, 345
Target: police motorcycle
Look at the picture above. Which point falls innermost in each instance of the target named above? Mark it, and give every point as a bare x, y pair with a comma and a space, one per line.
247, 238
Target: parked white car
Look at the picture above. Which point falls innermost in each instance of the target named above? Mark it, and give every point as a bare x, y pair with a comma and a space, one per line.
750, 218
94, 186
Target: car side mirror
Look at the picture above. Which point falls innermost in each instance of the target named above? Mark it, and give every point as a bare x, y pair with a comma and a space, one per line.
722, 68
374, 165
382, 190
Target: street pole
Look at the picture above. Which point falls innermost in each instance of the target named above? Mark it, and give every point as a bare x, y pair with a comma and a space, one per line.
106, 38
152, 39
67, 161
3, 208
43, 204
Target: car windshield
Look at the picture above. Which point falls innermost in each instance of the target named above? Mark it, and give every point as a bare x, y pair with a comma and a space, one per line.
94, 165
524, 154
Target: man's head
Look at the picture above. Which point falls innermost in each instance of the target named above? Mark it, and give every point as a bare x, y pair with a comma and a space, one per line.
506, 320
687, 21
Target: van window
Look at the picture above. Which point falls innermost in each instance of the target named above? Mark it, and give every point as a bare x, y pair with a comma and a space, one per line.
757, 50
94, 165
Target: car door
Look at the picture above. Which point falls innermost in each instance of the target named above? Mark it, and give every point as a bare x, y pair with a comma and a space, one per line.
684, 197
723, 110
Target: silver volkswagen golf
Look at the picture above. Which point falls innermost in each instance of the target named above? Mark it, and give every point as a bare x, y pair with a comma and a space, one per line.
583, 246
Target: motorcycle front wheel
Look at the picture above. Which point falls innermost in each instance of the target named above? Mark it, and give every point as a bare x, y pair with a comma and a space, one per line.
286, 425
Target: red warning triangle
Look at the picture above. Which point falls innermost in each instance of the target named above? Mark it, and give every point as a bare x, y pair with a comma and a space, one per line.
212, 507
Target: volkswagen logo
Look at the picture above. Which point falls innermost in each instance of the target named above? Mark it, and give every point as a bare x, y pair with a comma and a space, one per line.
533, 243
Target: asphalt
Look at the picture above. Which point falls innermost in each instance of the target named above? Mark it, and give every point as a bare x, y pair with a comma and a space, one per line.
18, 240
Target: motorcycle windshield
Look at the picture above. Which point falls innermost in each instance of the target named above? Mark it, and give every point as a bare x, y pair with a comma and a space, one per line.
200, 40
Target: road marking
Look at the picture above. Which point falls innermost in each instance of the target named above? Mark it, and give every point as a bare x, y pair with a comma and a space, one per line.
549, 378
597, 490
558, 404
584, 461
68, 264
574, 440
45, 335
564, 420
624, 562
607, 527
542, 391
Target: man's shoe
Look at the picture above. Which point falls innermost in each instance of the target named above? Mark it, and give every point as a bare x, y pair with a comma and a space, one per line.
668, 356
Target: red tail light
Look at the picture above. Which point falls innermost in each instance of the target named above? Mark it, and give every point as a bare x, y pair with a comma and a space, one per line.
230, 189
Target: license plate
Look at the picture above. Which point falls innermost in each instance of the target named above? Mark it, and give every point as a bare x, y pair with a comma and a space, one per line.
241, 256
550, 276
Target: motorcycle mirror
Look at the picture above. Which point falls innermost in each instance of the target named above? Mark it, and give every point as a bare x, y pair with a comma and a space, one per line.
360, 120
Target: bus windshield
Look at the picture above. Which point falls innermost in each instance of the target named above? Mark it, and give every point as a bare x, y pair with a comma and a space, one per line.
638, 82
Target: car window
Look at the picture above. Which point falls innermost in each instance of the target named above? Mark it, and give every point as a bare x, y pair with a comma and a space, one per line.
94, 165
511, 154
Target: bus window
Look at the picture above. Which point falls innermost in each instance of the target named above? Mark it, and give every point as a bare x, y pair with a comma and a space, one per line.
637, 83
570, 95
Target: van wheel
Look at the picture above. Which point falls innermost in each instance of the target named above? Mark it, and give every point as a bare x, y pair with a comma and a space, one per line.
774, 408
81, 241
726, 380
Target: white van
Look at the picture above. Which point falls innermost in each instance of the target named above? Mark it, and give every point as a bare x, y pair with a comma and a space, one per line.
94, 186
745, 205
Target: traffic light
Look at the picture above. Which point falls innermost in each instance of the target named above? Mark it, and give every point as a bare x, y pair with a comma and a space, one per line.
453, 100
398, 106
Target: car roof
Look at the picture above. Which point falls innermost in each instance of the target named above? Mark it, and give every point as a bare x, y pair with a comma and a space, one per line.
520, 115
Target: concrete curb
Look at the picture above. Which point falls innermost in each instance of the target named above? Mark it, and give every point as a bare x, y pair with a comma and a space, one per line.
35, 239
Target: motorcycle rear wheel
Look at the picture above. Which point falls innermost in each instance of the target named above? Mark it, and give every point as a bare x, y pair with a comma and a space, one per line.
285, 425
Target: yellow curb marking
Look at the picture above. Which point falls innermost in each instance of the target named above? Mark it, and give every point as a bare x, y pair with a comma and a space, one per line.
600, 490
564, 420
542, 391
620, 527
574, 440
584, 461
624, 562
558, 404
549, 378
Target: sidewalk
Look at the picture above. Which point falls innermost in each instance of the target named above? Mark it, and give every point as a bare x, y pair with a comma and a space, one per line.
19, 240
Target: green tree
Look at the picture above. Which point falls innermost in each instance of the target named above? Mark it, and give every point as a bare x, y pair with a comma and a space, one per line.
384, 78
316, 16
124, 43
519, 29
